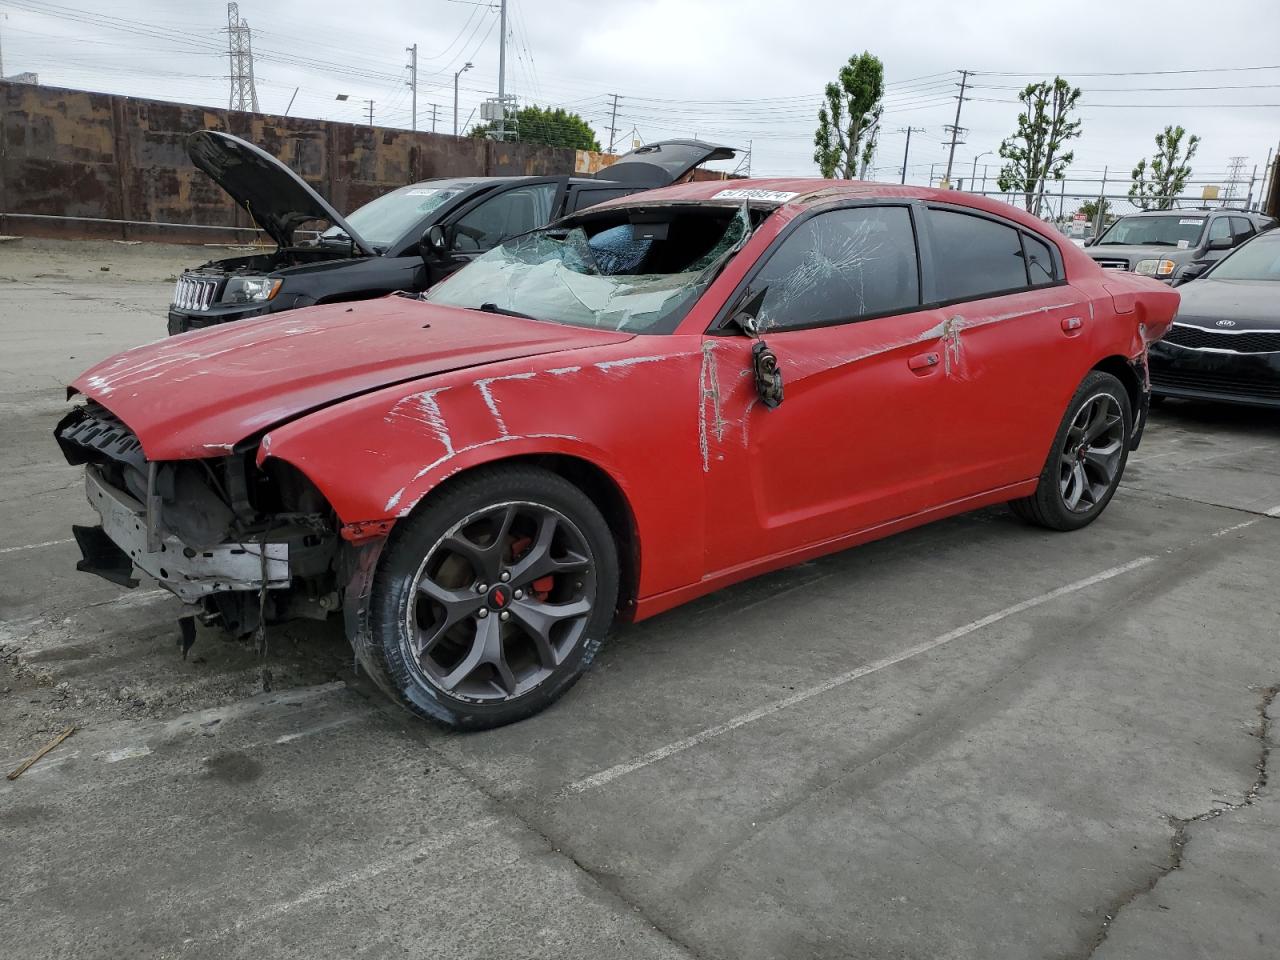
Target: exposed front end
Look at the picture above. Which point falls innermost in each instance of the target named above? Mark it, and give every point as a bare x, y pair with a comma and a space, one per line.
1232, 366
248, 545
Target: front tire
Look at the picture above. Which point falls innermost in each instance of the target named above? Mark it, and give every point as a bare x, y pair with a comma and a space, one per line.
1087, 458
491, 600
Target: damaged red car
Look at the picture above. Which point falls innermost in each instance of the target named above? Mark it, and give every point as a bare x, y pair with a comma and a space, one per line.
613, 415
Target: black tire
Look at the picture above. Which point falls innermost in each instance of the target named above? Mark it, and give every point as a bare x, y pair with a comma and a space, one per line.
1050, 506
451, 537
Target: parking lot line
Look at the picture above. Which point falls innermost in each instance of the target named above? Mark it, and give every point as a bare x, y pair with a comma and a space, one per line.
710, 733
34, 546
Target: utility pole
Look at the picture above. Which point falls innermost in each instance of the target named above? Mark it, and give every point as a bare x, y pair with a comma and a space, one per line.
1099, 215
433, 117
907, 152
502, 72
370, 102
1235, 172
955, 127
3, 16
413, 82
613, 122
244, 93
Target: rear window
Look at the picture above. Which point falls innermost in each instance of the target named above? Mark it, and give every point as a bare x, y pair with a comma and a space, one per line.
974, 256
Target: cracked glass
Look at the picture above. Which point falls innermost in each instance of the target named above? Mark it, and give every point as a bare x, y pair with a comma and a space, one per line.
843, 265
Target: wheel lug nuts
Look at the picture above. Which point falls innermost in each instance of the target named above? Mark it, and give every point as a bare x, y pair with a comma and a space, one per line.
482, 612
505, 576
482, 587
519, 594
504, 615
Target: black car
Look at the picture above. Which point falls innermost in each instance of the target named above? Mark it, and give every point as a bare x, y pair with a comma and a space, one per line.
407, 239
1225, 342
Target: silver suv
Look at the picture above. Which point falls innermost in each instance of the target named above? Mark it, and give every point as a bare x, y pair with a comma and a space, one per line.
1174, 245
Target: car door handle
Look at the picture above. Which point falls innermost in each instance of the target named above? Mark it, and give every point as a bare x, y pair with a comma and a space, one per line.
923, 361
1071, 324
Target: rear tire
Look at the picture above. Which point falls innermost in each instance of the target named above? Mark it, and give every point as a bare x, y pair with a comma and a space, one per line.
1086, 460
491, 600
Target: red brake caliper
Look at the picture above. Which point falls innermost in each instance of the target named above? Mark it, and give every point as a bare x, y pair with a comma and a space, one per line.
541, 587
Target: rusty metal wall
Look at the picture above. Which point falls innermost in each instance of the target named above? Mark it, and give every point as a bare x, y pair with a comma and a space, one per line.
70, 153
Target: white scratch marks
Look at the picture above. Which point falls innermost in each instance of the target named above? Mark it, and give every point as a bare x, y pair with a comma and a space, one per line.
631, 361
709, 399
489, 401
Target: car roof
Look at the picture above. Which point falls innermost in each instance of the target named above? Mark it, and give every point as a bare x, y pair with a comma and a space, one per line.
1188, 212
467, 183
774, 192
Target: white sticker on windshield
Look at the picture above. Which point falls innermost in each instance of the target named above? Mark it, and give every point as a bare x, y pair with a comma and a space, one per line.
1190, 223
423, 192
1183, 244
778, 196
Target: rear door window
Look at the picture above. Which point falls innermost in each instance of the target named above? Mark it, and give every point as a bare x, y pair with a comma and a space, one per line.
840, 266
974, 257
1241, 229
506, 215
1041, 267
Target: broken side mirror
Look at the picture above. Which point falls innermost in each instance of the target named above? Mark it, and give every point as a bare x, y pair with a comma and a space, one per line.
435, 241
764, 362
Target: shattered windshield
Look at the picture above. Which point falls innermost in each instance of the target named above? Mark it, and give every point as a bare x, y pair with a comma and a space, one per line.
1171, 231
608, 272
383, 221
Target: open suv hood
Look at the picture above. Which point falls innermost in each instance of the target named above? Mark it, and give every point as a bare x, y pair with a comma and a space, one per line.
663, 163
275, 197
199, 394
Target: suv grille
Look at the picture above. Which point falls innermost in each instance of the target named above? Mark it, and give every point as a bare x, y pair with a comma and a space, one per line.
1112, 264
194, 293
1257, 341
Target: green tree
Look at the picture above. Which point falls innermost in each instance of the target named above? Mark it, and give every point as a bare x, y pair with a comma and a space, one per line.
1034, 154
554, 128
849, 122
1090, 209
1156, 184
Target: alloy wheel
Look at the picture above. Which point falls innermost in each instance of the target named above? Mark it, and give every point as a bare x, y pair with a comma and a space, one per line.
500, 601
1091, 456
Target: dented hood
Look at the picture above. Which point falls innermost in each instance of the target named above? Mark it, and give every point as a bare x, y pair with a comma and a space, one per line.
199, 394
277, 198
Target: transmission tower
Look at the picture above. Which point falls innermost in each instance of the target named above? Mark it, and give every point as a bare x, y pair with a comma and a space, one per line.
244, 95
1235, 173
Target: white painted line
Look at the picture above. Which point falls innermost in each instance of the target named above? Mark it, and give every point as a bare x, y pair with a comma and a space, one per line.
35, 546
319, 728
1231, 529
125, 753
473, 831
678, 746
1274, 512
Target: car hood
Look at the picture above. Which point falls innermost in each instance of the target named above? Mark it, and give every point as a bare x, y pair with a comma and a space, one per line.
1135, 253
1249, 304
663, 163
200, 394
275, 197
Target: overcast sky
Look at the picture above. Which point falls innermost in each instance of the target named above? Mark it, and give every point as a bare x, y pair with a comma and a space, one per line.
734, 71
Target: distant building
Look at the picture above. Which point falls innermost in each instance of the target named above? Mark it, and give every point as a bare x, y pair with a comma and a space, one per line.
23, 78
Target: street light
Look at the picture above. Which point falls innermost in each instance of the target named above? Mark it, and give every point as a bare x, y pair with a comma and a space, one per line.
465, 67
973, 174
347, 96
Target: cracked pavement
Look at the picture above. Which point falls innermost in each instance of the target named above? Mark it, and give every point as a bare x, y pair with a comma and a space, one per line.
1073, 765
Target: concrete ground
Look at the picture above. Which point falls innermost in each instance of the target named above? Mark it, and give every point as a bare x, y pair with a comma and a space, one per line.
974, 740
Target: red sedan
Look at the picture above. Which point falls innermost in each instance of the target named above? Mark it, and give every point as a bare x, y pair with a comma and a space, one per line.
611, 416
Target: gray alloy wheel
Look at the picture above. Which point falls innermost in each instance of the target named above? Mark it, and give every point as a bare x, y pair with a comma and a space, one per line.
1091, 456
500, 602
1086, 459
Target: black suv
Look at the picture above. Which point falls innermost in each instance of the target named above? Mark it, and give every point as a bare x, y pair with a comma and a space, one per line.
407, 239
1174, 245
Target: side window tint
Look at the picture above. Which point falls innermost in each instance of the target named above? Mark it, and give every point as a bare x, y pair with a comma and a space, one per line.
1241, 229
589, 198
509, 213
1219, 228
1039, 257
842, 266
975, 257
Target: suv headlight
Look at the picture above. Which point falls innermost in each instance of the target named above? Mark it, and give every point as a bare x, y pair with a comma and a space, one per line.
1155, 268
250, 289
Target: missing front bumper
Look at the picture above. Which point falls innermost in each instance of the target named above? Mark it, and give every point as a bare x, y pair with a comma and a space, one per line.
188, 572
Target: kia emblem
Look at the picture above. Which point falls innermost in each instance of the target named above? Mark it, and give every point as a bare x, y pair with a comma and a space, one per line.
1226, 323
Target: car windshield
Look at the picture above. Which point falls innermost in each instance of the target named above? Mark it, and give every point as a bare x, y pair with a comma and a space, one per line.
1259, 260
382, 222
635, 271
1175, 230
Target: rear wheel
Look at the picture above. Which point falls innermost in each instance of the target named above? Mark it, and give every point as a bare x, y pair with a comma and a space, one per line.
1086, 460
492, 600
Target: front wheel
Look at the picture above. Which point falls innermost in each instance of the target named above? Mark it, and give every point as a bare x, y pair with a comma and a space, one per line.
491, 600
1086, 460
